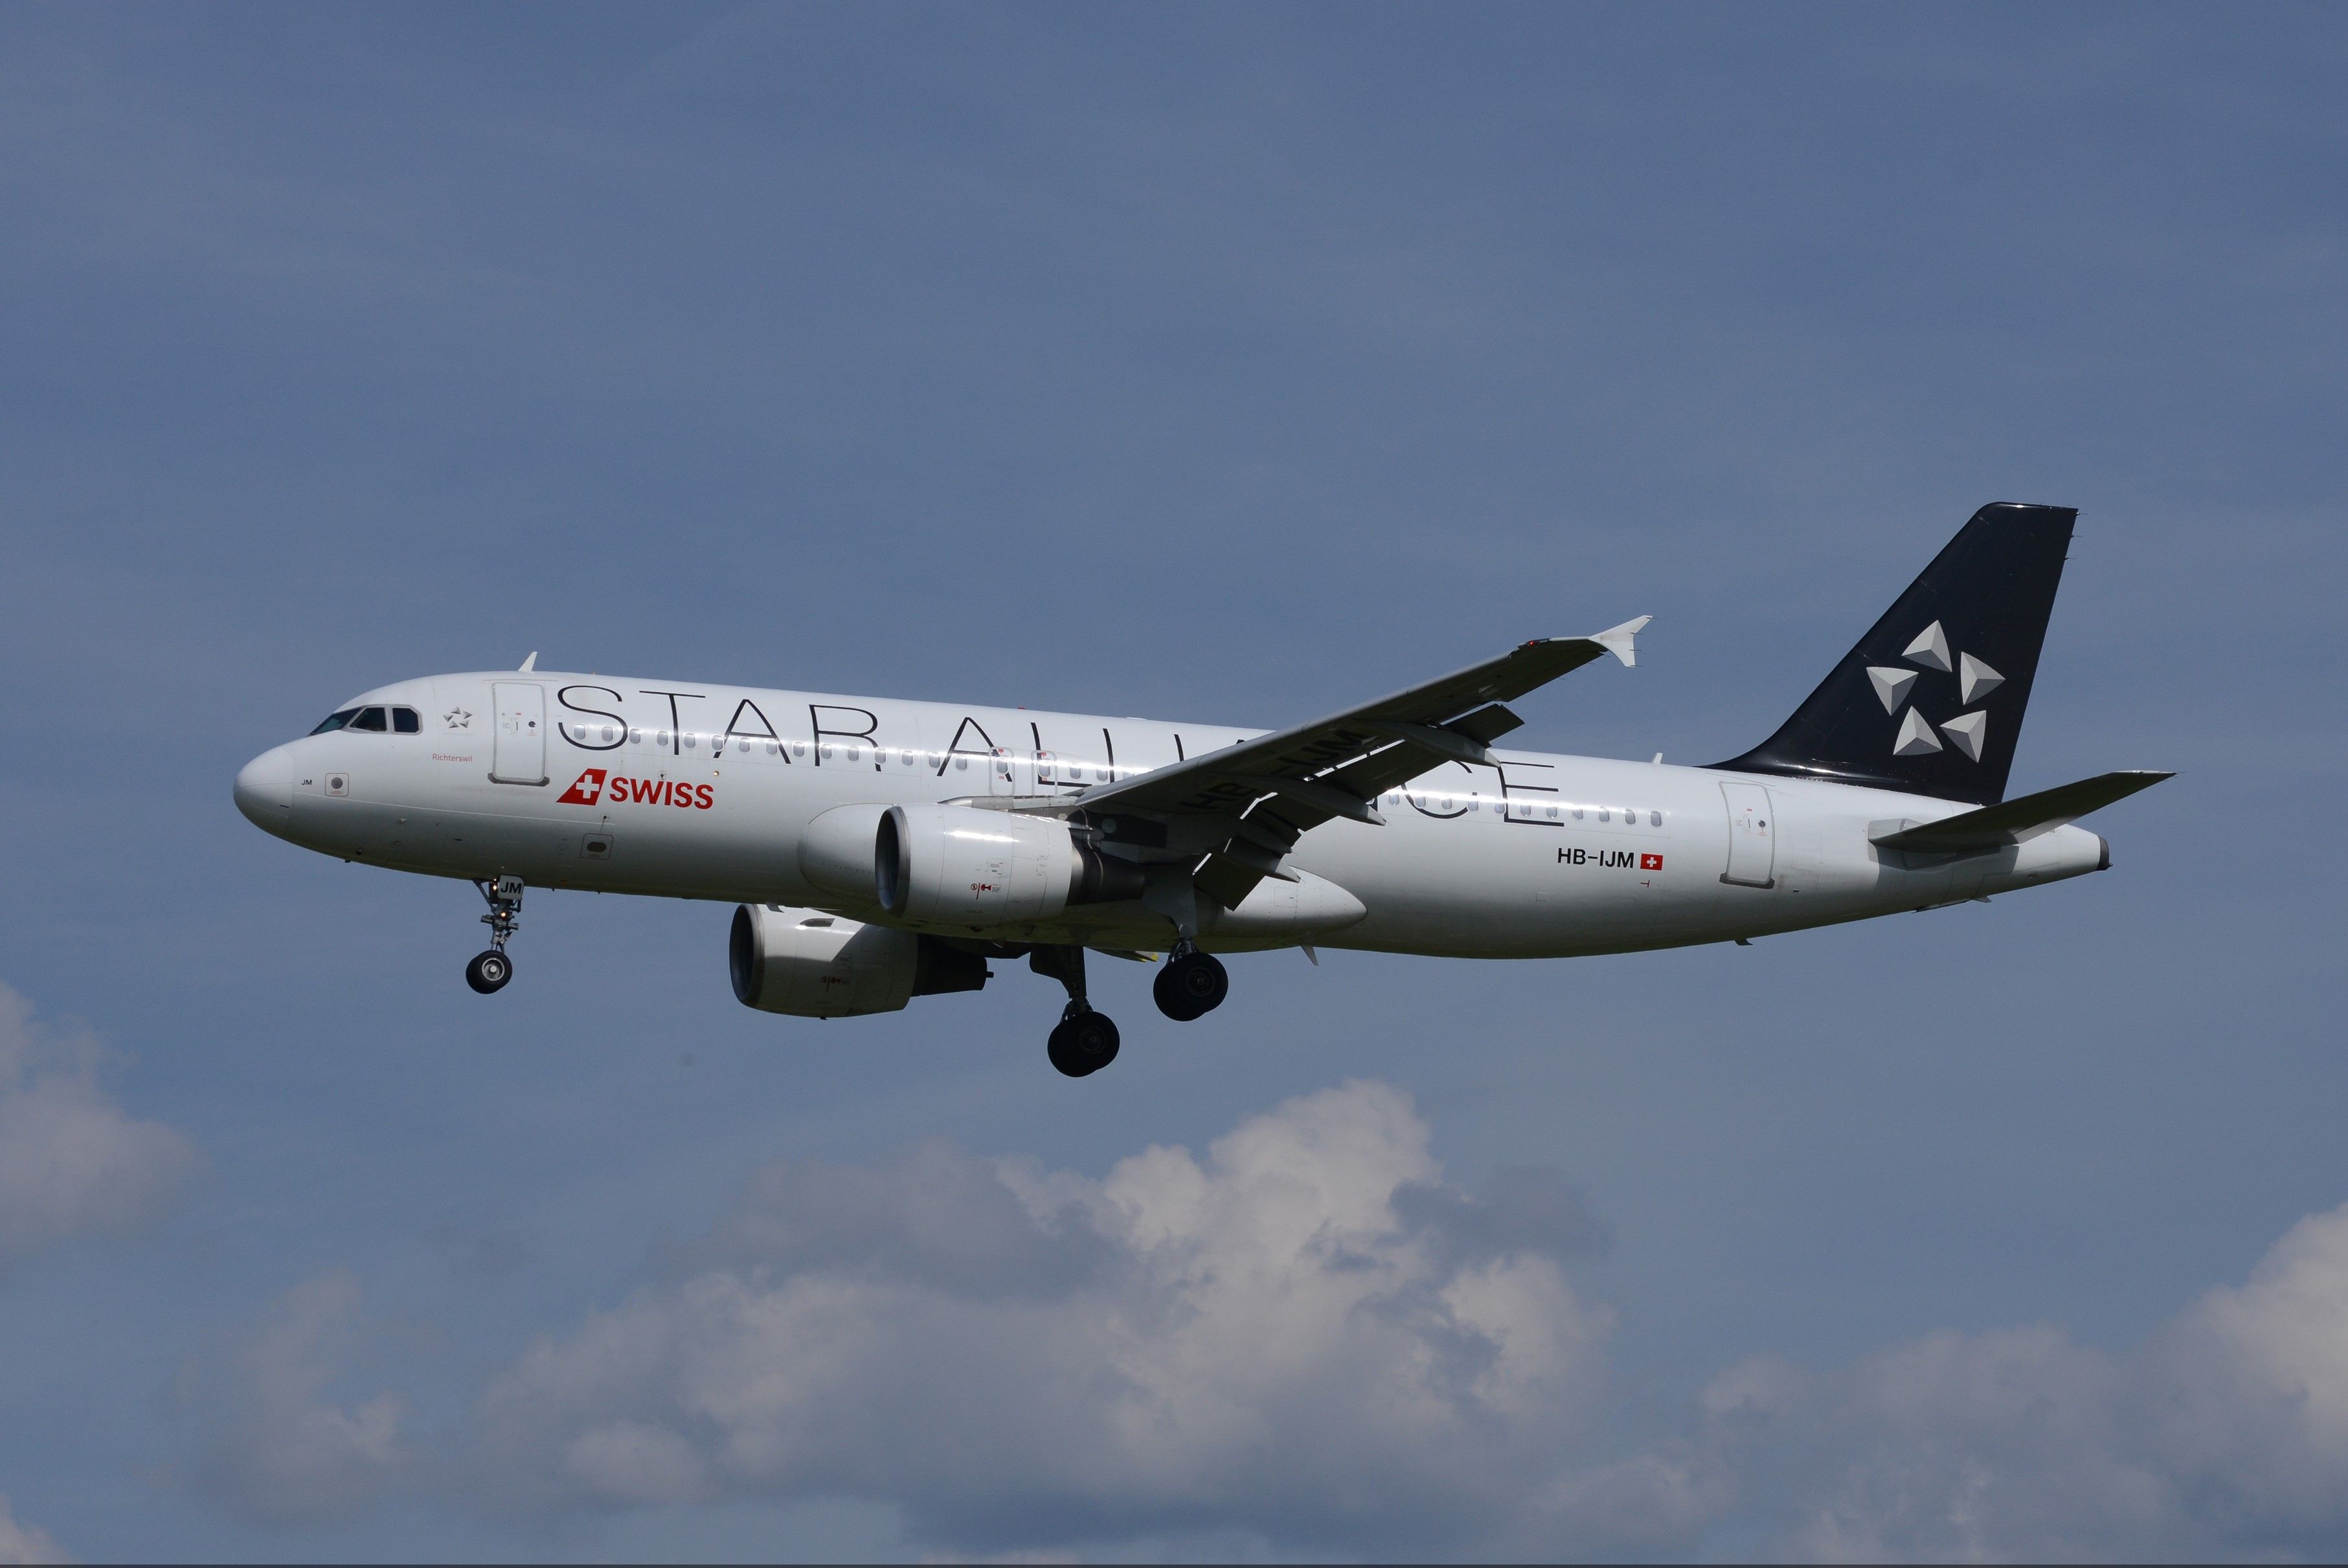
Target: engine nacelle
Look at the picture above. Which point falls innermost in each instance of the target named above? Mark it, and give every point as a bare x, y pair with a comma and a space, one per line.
814, 965
956, 865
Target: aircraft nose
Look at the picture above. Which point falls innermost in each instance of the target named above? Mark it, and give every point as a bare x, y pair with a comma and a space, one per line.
265, 789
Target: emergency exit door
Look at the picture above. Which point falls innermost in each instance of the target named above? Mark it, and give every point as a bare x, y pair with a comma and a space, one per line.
1009, 772
1752, 836
518, 752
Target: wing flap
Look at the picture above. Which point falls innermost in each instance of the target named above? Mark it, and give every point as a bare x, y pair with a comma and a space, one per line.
1225, 880
1487, 724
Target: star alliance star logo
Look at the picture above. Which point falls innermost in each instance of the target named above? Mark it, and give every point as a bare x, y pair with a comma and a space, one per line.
1967, 733
458, 718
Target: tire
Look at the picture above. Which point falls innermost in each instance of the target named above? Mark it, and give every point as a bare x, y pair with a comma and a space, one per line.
489, 971
1084, 1044
1169, 997
1190, 987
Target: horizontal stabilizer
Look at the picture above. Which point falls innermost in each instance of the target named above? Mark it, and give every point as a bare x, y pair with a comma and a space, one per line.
1996, 826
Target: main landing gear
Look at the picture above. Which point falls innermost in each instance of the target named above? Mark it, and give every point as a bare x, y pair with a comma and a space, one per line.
1083, 1042
1190, 985
492, 969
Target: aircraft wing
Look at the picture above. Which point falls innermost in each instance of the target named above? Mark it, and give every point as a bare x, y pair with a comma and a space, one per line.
1244, 807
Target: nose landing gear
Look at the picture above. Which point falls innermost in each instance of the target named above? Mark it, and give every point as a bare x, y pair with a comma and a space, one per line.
1192, 985
487, 971
1083, 1042
492, 969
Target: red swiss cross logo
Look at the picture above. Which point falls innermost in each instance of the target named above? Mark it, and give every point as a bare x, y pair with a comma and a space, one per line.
586, 791
1651, 863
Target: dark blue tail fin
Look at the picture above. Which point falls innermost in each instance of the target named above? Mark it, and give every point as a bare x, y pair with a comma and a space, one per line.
1931, 700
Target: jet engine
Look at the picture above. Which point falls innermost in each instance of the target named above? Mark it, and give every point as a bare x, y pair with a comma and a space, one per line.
814, 965
959, 865
954, 865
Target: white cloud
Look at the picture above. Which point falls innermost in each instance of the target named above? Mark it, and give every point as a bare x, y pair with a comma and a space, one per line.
23, 1543
1307, 1342
2225, 1433
1302, 1336
276, 1445
2258, 1379
72, 1163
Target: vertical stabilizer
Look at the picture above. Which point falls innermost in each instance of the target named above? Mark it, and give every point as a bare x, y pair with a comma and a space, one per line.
1931, 700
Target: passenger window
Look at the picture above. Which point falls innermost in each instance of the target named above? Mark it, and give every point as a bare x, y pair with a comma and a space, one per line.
1604, 815
370, 718
1552, 813
335, 721
960, 762
635, 737
1577, 814
1655, 819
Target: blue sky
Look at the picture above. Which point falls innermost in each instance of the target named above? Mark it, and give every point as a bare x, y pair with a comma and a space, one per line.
1221, 363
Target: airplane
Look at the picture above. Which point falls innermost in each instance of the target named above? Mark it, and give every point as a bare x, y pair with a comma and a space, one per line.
880, 850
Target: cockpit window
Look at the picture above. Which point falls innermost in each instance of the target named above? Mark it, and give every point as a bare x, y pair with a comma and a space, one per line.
370, 718
335, 721
405, 720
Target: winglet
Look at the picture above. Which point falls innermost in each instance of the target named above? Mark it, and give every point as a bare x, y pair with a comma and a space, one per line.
1617, 639
530, 663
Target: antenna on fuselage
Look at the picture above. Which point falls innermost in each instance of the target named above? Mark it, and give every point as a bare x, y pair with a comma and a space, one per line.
532, 663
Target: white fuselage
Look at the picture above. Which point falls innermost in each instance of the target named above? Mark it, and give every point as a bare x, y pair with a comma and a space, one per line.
695, 791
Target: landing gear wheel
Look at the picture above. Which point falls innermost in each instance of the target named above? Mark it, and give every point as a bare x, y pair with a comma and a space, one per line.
1190, 986
1083, 1043
489, 971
